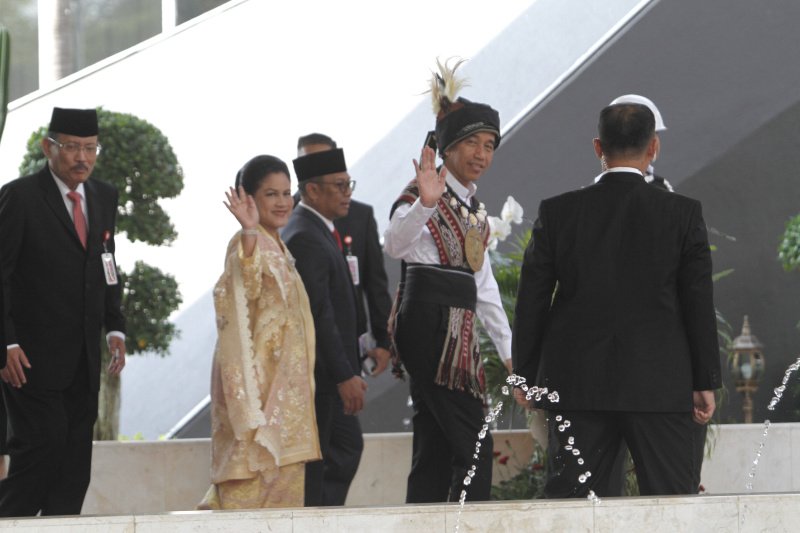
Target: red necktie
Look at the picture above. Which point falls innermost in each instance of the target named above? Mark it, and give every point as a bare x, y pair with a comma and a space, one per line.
338, 239
77, 216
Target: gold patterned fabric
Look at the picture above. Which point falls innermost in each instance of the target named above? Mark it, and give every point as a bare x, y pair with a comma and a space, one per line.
263, 426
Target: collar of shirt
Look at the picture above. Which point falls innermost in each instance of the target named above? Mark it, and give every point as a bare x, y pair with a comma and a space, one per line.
63, 189
619, 169
465, 193
327, 222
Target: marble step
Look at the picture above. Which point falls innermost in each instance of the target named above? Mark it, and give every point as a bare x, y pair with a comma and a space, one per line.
775, 512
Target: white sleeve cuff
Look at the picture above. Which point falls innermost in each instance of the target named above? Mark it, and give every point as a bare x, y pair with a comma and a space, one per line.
115, 334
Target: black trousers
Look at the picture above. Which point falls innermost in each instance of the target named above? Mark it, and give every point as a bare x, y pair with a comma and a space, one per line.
328, 481
661, 444
446, 422
618, 475
50, 444
3, 426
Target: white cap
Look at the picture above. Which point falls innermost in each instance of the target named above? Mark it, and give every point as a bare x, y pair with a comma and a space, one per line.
636, 99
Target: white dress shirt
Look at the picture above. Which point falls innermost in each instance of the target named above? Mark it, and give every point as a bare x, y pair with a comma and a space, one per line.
63, 189
409, 239
327, 222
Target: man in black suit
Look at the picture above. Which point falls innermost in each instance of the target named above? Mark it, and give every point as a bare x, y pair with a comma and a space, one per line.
311, 236
61, 290
359, 233
629, 338
661, 182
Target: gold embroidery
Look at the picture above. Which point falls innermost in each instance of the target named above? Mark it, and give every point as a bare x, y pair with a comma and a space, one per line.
263, 422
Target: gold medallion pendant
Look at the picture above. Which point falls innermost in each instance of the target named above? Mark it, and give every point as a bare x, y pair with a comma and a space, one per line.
474, 249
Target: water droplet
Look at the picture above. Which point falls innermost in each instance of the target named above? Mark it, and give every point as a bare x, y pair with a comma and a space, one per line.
482, 434
588, 474
467, 480
571, 440
409, 402
568, 447
576, 452
582, 478
559, 418
580, 461
471, 473
567, 423
406, 421
561, 428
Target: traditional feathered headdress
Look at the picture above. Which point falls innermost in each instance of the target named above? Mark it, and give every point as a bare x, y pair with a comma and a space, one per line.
444, 85
458, 118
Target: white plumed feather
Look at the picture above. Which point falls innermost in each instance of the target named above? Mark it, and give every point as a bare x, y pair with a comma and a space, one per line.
444, 85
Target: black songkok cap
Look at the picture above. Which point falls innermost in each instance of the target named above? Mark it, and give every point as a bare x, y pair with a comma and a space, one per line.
319, 164
464, 118
77, 122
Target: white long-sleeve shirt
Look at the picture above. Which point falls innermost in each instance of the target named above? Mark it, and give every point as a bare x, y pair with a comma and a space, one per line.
409, 239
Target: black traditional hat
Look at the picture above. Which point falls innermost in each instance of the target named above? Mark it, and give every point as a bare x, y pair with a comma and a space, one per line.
319, 164
464, 119
78, 122
459, 118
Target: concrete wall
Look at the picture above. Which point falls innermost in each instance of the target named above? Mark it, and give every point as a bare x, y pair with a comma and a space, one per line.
163, 476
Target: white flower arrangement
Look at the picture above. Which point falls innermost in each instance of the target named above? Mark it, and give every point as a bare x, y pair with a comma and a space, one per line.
500, 228
512, 211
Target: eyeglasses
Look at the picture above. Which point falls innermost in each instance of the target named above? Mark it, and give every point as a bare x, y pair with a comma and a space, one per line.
73, 148
343, 186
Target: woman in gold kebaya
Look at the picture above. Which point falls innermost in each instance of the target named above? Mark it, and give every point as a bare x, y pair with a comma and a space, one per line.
262, 385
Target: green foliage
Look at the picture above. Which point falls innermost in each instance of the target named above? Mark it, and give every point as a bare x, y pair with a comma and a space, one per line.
720, 275
136, 437
149, 297
506, 268
528, 483
5, 67
136, 158
789, 247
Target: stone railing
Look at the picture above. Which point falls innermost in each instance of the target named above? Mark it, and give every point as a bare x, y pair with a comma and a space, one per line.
161, 476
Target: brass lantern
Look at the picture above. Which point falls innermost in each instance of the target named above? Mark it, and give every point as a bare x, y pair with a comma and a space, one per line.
747, 367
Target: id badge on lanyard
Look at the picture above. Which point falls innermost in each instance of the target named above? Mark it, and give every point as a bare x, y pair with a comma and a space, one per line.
109, 267
352, 260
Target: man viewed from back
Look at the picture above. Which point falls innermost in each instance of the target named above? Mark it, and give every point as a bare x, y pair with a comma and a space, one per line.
629, 338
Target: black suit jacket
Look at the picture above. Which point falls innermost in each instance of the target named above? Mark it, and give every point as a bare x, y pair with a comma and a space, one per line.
330, 291
56, 298
632, 325
360, 225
